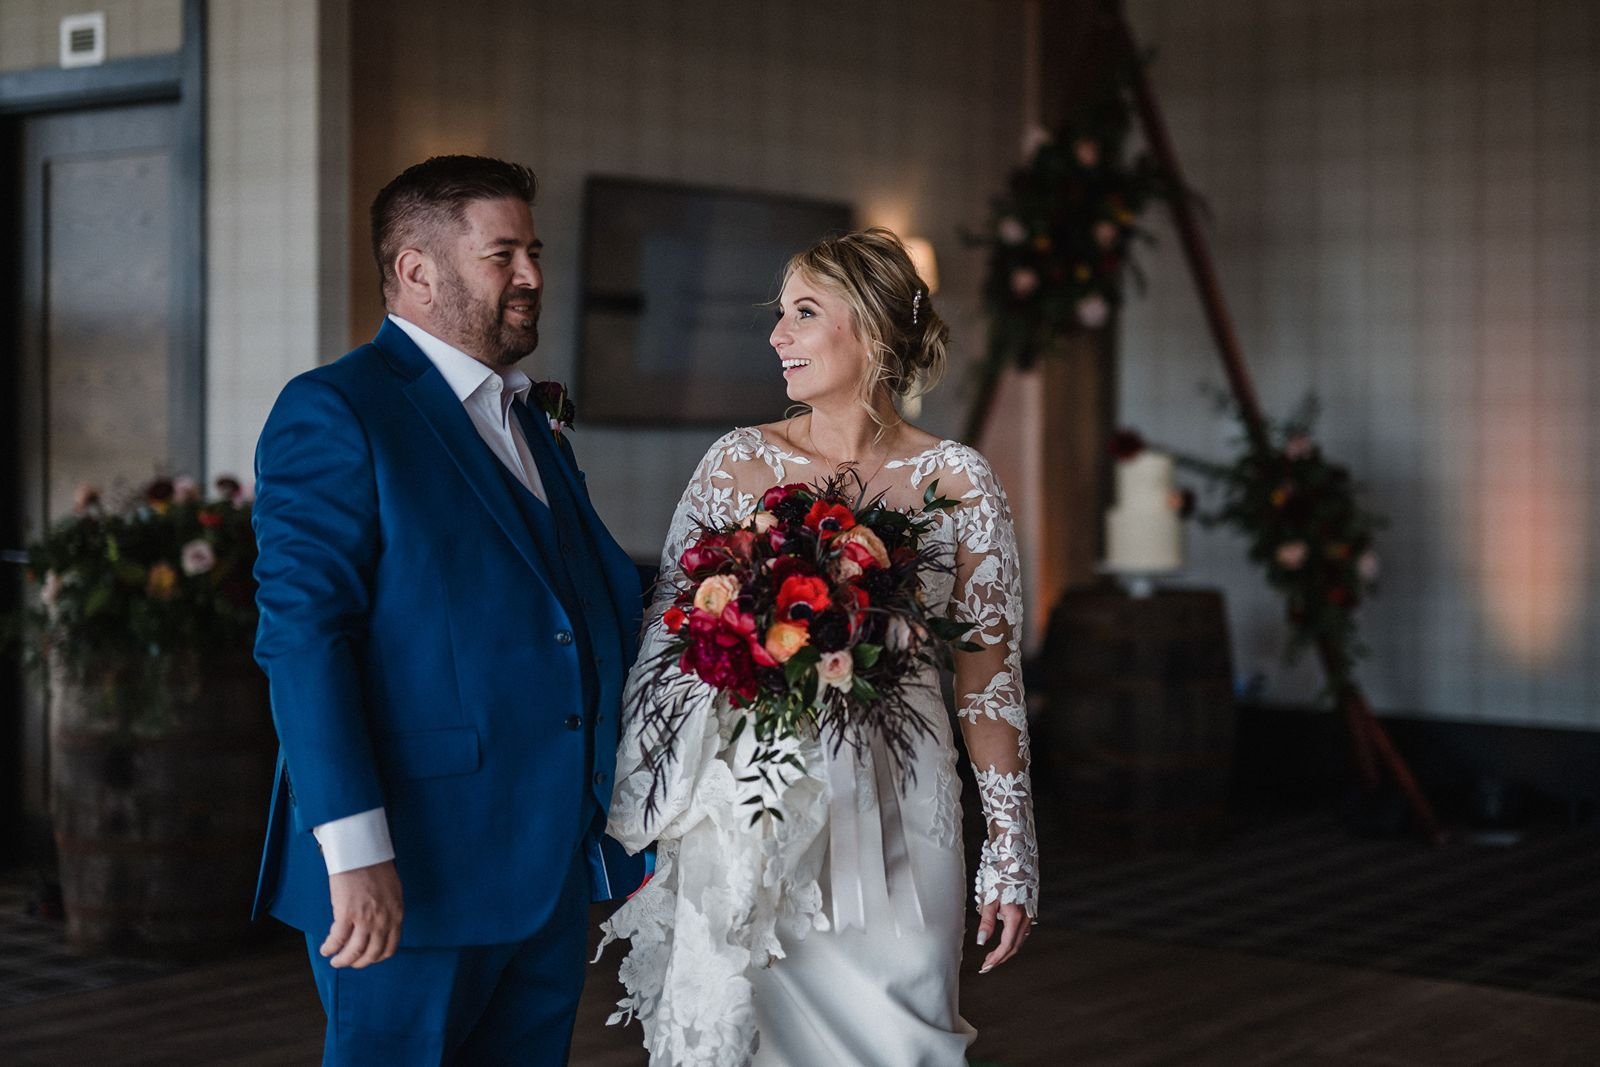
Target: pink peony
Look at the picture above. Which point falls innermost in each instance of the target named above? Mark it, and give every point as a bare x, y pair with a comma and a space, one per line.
1024, 281
1368, 566
1011, 231
1291, 555
1093, 311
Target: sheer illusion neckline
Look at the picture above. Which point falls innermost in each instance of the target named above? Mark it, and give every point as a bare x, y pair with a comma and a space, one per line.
895, 461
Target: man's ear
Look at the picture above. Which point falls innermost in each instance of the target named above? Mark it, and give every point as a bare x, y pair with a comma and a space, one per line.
415, 273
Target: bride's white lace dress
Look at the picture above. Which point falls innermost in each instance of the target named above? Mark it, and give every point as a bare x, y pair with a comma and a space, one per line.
833, 935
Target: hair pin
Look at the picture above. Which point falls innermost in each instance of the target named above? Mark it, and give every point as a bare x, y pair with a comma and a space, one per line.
916, 304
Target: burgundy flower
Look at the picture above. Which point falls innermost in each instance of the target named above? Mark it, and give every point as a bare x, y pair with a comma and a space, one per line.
774, 497
706, 556
723, 651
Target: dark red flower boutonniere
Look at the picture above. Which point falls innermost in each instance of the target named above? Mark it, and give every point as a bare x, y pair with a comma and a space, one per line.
556, 403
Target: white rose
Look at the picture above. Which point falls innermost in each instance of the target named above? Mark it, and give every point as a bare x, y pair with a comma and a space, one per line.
197, 557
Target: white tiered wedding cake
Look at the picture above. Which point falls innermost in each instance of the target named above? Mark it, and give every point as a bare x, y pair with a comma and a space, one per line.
1144, 532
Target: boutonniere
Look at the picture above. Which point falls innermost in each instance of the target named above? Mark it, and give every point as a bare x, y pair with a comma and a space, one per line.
554, 400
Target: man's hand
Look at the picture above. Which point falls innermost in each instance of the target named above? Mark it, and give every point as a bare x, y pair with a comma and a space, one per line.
367, 908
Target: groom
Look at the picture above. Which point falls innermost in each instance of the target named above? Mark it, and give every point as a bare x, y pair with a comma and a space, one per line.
446, 625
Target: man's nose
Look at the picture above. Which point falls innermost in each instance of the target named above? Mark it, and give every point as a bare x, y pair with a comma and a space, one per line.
527, 275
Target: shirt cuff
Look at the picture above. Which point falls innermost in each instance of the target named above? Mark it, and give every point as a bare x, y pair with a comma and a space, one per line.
354, 841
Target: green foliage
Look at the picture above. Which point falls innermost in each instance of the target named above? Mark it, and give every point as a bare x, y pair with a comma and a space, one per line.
1303, 525
167, 575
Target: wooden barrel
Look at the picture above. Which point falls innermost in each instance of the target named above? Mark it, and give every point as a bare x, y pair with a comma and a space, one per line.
158, 799
1141, 716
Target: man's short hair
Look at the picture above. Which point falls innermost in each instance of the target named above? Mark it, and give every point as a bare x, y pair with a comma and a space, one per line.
415, 208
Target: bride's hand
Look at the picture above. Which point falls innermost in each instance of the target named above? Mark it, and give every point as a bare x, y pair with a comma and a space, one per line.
1016, 928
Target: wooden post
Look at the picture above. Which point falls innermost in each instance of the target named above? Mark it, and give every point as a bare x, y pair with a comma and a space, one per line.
1367, 733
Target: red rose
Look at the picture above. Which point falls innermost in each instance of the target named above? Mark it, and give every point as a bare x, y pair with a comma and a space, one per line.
209, 519
828, 519
802, 597
706, 556
674, 619
779, 493
741, 543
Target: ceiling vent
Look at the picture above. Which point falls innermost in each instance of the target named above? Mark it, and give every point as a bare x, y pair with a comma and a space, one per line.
83, 40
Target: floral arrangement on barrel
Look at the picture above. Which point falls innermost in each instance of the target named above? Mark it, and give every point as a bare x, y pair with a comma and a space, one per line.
1298, 511
809, 617
167, 573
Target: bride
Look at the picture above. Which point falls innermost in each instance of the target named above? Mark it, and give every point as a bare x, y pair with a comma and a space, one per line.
833, 935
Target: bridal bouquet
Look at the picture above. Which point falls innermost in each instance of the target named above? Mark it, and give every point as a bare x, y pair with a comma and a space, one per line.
809, 618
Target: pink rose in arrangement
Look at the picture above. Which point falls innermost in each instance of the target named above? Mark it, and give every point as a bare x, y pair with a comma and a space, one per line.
863, 546
1011, 231
1368, 566
1086, 151
1291, 555
1093, 311
1105, 233
198, 557
763, 521
715, 593
1024, 282
185, 490
836, 669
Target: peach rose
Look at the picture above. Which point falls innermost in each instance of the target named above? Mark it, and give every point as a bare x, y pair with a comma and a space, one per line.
784, 639
762, 521
868, 540
715, 593
837, 669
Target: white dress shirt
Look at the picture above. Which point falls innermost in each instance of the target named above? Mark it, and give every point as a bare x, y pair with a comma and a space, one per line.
362, 839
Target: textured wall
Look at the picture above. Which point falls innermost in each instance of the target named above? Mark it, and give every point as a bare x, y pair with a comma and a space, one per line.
909, 110
1405, 221
277, 196
30, 30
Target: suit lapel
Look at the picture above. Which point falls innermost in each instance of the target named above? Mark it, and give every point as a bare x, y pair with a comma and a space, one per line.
451, 424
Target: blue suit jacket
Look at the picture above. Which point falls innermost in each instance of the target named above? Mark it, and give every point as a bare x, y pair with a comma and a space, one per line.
420, 658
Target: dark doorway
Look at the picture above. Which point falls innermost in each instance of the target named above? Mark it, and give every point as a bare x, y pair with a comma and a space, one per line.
101, 330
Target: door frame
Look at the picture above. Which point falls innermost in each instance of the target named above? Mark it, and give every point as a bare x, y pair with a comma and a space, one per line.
180, 78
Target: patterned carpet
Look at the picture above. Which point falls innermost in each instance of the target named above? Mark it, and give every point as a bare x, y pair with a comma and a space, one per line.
35, 963
1524, 916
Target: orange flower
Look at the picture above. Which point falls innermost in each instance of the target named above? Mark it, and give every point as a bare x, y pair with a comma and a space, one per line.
162, 583
673, 619
801, 598
784, 639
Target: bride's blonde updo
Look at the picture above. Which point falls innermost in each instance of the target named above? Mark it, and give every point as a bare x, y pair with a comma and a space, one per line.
906, 339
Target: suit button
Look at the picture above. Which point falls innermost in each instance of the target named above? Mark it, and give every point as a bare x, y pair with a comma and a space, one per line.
573, 722
563, 637
599, 777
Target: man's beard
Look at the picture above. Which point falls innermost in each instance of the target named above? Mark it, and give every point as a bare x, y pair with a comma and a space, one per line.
479, 326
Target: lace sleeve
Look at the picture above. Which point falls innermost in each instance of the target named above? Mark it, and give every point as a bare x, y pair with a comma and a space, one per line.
712, 497
989, 696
